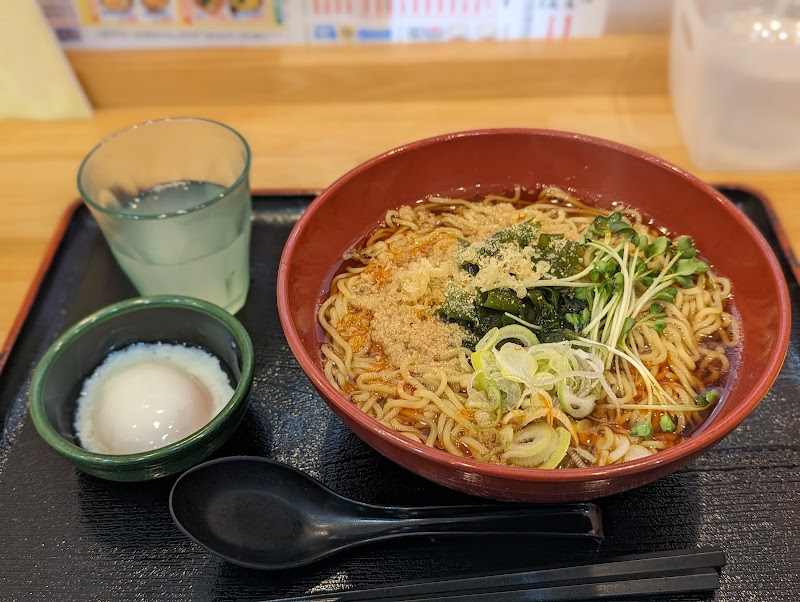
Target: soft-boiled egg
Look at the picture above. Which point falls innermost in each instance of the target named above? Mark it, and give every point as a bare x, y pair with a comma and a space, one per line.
147, 396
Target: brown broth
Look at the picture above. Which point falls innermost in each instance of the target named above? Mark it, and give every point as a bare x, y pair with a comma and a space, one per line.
709, 375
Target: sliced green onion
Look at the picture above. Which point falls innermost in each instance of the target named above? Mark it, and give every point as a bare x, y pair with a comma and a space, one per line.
643, 430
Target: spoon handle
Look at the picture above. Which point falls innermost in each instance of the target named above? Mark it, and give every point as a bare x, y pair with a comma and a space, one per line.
579, 519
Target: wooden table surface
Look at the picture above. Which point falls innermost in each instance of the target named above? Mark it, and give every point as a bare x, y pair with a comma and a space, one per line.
310, 114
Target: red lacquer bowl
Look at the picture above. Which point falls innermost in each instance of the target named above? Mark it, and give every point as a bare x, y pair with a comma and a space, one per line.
354, 205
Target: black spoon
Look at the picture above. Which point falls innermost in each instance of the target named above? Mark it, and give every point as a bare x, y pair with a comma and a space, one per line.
263, 514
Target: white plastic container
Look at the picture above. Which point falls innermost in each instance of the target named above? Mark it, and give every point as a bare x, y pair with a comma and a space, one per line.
735, 82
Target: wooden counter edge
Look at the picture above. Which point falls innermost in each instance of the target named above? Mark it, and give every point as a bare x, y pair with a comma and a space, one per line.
297, 74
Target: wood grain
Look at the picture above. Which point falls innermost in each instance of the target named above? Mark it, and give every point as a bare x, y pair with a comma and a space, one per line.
311, 114
457, 71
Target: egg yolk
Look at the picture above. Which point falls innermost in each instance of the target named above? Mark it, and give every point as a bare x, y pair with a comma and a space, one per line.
149, 405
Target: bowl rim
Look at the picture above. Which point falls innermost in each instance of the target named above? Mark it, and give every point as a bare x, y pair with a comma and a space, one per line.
709, 435
161, 455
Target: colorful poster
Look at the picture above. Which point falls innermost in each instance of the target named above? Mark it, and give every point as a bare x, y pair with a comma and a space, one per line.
175, 23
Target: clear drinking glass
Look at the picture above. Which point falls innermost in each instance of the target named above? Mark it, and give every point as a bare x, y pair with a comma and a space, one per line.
172, 197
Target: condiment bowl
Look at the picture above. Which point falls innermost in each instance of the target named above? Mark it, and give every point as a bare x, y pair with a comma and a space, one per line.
598, 170
59, 376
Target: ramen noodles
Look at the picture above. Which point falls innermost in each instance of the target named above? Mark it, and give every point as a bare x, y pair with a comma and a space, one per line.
530, 329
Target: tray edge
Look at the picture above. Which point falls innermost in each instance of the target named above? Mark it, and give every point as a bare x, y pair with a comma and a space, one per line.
775, 222
38, 279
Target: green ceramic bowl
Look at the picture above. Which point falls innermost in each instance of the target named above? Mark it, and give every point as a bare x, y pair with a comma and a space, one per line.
59, 376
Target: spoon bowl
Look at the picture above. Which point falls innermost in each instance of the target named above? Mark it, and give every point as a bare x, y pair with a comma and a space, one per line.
263, 514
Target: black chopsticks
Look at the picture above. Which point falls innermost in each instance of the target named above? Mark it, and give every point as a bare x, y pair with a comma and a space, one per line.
705, 579
673, 571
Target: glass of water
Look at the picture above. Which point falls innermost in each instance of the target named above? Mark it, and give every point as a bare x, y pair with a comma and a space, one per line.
172, 197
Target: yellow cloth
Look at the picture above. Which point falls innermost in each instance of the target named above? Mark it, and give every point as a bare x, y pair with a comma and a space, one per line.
36, 81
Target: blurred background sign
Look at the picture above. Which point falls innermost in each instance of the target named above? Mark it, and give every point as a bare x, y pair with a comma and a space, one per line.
137, 24
443, 20
104, 24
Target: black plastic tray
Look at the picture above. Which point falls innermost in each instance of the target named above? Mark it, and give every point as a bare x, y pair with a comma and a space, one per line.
67, 536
